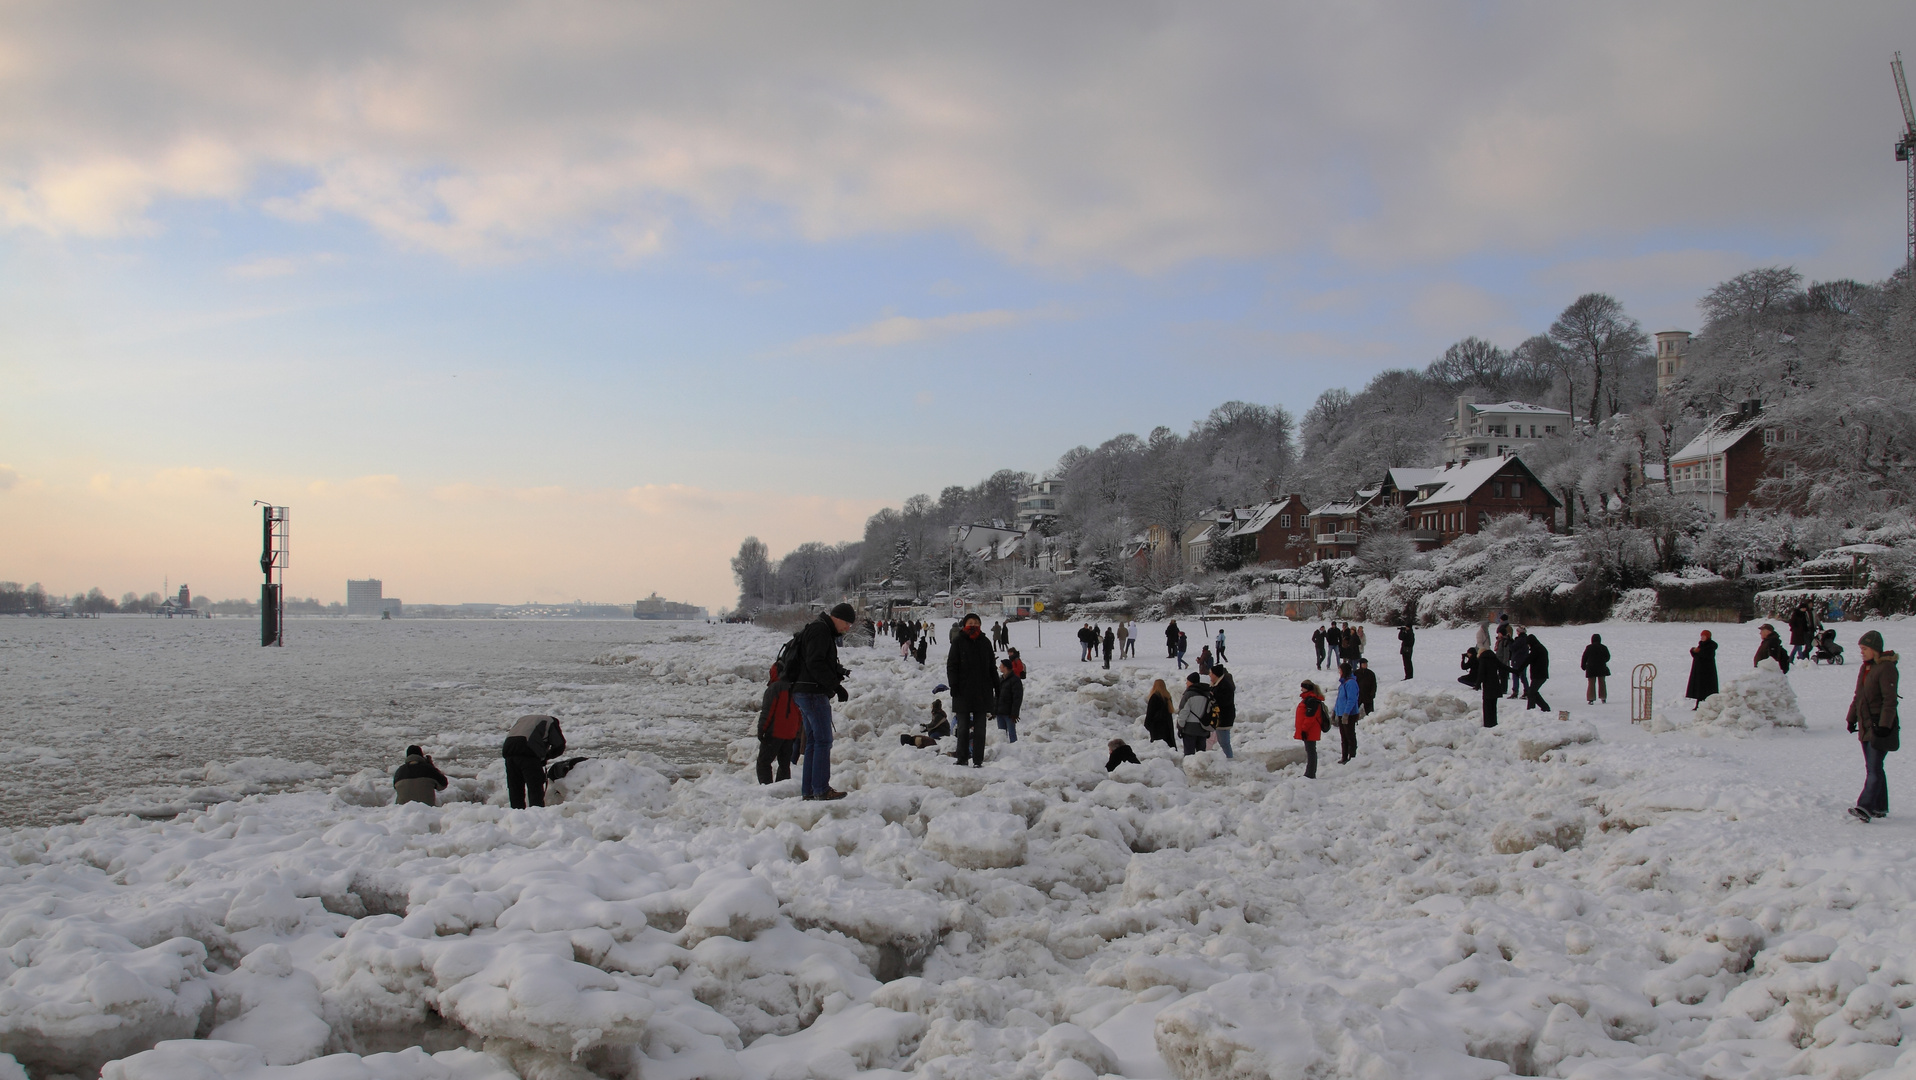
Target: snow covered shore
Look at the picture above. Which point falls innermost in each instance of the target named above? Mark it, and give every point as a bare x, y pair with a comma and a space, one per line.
1583, 899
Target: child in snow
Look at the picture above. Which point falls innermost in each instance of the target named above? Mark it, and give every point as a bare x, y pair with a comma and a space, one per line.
1011, 697
1121, 754
1872, 718
1310, 725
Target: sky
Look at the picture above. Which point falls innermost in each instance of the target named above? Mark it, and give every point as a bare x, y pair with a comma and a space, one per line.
560, 301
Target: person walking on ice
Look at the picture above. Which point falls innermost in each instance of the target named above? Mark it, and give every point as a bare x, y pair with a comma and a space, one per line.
1220, 645
1702, 671
817, 678
1406, 641
1596, 671
972, 673
1344, 712
1873, 720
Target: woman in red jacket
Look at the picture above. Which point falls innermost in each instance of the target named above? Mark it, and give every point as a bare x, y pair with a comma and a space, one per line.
1310, 725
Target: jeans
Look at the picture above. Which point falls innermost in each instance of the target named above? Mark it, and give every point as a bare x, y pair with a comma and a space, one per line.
525, 781
1009, 725
1519, 683
1224, 740
1320, 658
1875, 796
969, 723
1310, 759
815, 775
1181, 664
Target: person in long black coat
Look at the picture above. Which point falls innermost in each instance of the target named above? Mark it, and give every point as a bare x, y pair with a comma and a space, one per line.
1157, 715
1537, 659
1596, 671
1702, 670
1492, 675
1406, 642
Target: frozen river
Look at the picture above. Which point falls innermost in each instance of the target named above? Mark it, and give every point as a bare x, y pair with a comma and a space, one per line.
1589, 899
129, 712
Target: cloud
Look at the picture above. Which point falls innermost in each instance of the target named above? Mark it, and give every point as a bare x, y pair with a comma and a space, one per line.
1134, 137
9, 476
905, 329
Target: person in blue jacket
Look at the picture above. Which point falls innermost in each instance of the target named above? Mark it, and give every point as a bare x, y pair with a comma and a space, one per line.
1344, 711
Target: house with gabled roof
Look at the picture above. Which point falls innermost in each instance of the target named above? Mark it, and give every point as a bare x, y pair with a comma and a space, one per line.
1720, 468
1336, 527
1487, 431
1458, 500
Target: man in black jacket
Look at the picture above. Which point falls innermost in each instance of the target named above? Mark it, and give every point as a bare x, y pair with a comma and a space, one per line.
530, 742
1406, 641
418, 780
817, 678
1537, 674
972, 672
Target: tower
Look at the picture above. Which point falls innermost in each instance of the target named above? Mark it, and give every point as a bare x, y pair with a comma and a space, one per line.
1671, 345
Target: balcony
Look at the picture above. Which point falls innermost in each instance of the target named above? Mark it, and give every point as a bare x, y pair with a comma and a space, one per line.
1426, 536
1338, 538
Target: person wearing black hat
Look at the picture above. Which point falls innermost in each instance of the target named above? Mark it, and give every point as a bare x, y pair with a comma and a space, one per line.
1872, 718
418, 780
817, 678
972, 672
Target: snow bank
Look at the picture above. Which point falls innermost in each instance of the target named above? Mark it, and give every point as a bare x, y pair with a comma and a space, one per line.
1544, 898
1760, 699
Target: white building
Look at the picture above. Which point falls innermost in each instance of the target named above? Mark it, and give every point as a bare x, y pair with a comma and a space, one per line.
1671, 347
1040, 500
1499, 430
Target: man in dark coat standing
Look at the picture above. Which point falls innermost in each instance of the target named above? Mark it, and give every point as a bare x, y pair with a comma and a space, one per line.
1802, 634
1596, 671
1366, 686
1110, 644
972, 672
1702, 670
1171, 640
1491, 675
1317, 642
817, 678
1872, 717
1518, 659
1770, 647
1406, 641
1538, 673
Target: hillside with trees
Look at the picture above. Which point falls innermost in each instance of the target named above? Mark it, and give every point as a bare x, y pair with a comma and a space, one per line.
1833, 363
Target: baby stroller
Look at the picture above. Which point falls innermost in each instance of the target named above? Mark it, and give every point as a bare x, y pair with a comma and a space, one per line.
1827, 650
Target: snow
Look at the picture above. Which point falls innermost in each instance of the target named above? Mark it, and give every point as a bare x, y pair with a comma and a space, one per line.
1580, 897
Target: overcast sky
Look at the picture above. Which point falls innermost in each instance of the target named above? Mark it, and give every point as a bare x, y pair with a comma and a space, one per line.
562, 300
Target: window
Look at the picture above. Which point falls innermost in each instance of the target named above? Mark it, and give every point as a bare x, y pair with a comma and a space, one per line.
1496, 489
1283, 521
1516, 489
1550, 429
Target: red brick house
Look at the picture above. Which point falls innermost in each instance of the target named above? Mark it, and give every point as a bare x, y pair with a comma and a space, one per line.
1336, 528
1721, 467
1461, 499
1277, 532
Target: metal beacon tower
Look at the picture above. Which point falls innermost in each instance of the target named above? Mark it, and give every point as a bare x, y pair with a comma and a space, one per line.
1906, 153
275, 553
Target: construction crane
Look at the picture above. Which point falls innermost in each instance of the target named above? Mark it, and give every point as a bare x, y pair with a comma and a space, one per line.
1906, 153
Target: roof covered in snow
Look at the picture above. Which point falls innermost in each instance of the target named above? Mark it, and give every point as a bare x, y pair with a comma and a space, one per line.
1515, 407
1460, 482
1719, 435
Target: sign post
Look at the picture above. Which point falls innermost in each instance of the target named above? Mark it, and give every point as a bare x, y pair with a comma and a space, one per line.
1038, 613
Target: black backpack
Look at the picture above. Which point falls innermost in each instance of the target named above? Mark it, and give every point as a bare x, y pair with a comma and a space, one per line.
788, 657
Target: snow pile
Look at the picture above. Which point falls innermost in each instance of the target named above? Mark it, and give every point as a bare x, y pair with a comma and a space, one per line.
1760, 699
1543, 898
1635, 605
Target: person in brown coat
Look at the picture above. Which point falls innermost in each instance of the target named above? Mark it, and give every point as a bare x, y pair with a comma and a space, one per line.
1872, 717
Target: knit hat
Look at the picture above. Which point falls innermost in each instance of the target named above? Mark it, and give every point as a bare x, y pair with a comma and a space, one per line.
845, 613
414, 751
1871, 640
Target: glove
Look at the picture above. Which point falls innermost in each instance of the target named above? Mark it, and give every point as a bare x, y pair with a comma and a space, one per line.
843, 694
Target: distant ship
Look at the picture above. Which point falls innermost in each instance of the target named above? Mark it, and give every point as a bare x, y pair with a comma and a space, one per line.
653, 607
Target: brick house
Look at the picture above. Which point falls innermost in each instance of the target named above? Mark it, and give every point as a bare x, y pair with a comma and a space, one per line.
1461, 499
1335, 527
1275, 531
1721, 467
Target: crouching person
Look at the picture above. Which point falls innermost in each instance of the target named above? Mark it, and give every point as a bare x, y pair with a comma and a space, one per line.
530, 742
779, 725
418, 780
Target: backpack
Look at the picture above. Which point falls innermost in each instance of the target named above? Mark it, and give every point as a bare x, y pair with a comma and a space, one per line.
782, 720
788, 655
1313, 705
